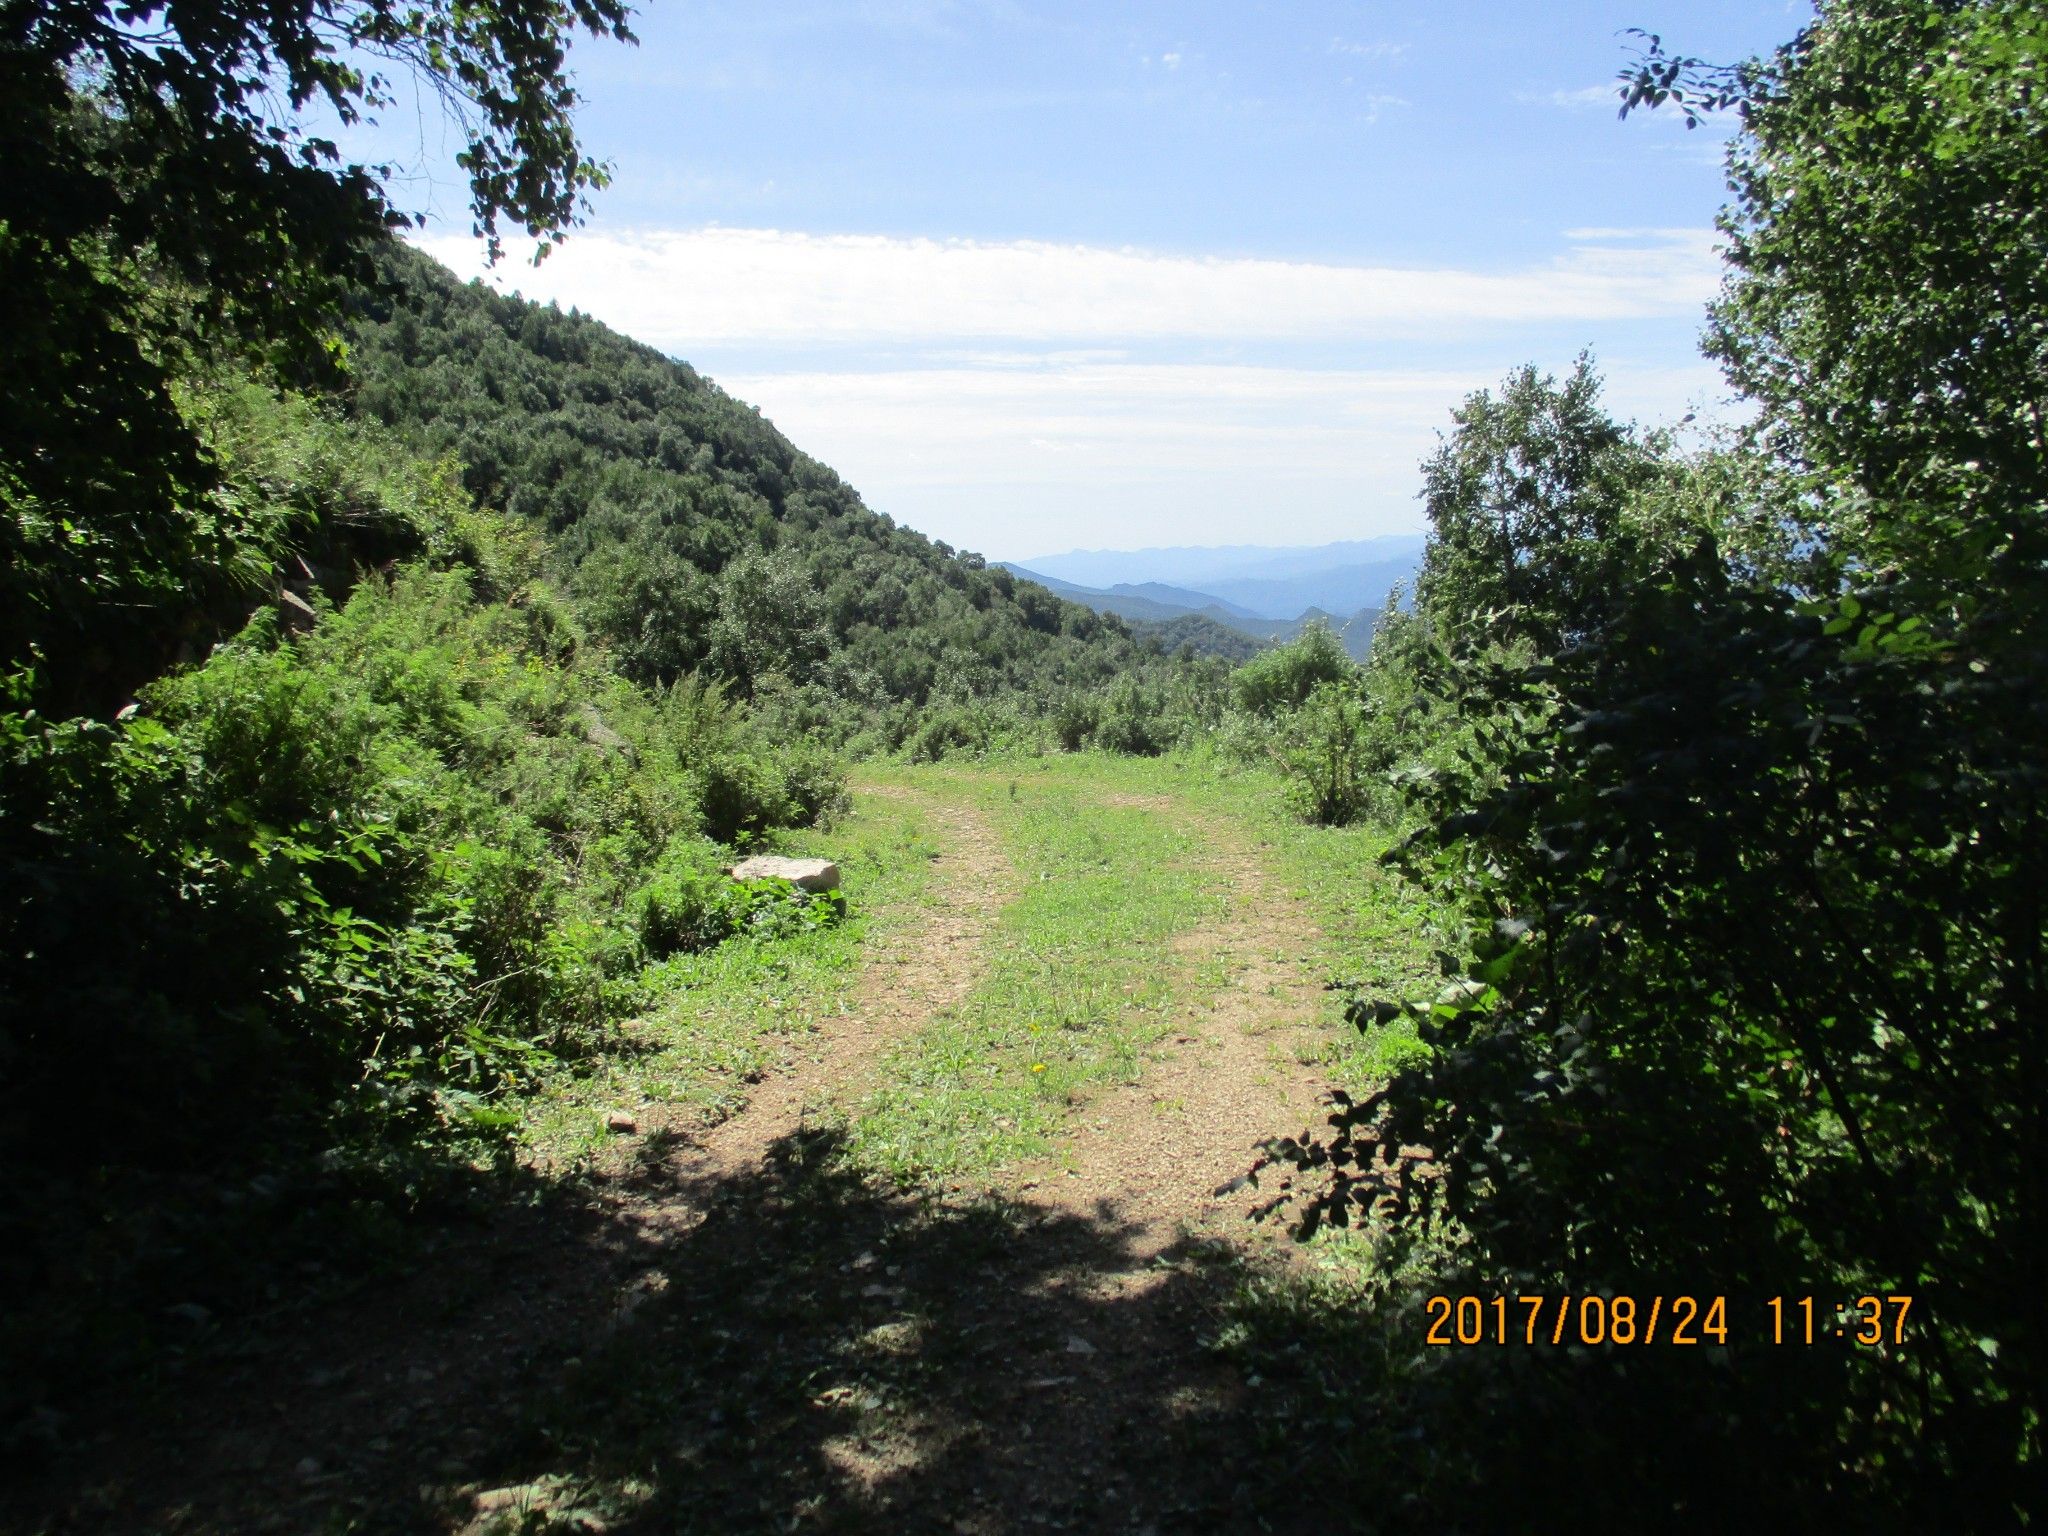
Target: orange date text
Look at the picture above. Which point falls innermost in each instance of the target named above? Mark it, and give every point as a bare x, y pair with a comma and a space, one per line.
1680, 1320
1566, 1319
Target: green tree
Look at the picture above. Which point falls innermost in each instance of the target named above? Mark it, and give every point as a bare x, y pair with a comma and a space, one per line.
1889, 309
770, 621
1284, 677
163, 193
1527, 503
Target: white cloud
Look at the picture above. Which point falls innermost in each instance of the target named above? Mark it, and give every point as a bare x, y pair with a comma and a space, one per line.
685, 289
1607, 94
1022, 396
1014, 459
1378, 50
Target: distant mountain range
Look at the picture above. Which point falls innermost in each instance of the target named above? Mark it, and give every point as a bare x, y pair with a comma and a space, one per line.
1264, 592
1269, 582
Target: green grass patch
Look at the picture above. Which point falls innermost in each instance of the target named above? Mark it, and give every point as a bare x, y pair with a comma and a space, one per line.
1378, 932
1115, 861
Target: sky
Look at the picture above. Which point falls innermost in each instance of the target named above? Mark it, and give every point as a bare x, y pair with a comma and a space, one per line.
1035, 277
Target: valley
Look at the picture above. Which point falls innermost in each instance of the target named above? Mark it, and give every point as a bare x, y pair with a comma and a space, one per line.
1264, 594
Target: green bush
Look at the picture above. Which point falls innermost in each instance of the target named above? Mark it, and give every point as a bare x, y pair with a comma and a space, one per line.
372, 871
773, 909
1074, 719
690, 904
670, 913
944, 730
1284, 677
1132, 722
747, 789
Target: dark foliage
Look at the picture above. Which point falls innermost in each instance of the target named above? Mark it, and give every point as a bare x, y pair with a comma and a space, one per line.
1196, 634
1750, 855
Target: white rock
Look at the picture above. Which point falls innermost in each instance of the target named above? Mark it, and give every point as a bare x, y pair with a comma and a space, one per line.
806, 874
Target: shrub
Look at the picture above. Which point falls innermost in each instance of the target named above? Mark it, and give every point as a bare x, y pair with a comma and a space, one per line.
944, 730
1323, 753
1132, 722
671, 912
748, 788
1074, 719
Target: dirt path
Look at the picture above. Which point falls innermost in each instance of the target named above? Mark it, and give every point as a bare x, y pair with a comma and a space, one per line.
740, 1332
1155, 1154
1129, 1236
1033, 1361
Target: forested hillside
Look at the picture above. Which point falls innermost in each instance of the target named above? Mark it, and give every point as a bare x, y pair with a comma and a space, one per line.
695, 536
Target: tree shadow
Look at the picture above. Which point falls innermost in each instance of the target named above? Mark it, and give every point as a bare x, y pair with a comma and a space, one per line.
821, 1353
793, 1348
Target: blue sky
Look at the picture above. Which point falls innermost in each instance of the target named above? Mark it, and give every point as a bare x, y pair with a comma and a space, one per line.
1036, 277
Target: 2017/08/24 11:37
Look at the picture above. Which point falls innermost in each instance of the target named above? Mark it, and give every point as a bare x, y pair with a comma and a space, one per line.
1676, 1320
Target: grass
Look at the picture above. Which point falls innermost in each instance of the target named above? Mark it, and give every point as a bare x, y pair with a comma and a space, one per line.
1118, 860
1375, 933
1378, 933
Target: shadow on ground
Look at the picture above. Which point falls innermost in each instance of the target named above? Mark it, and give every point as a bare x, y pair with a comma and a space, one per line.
789, 1350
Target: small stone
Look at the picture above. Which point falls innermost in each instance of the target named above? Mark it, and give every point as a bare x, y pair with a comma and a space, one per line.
806, 874
1076, 1345
621, 1122
190, 1312
309, 1466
